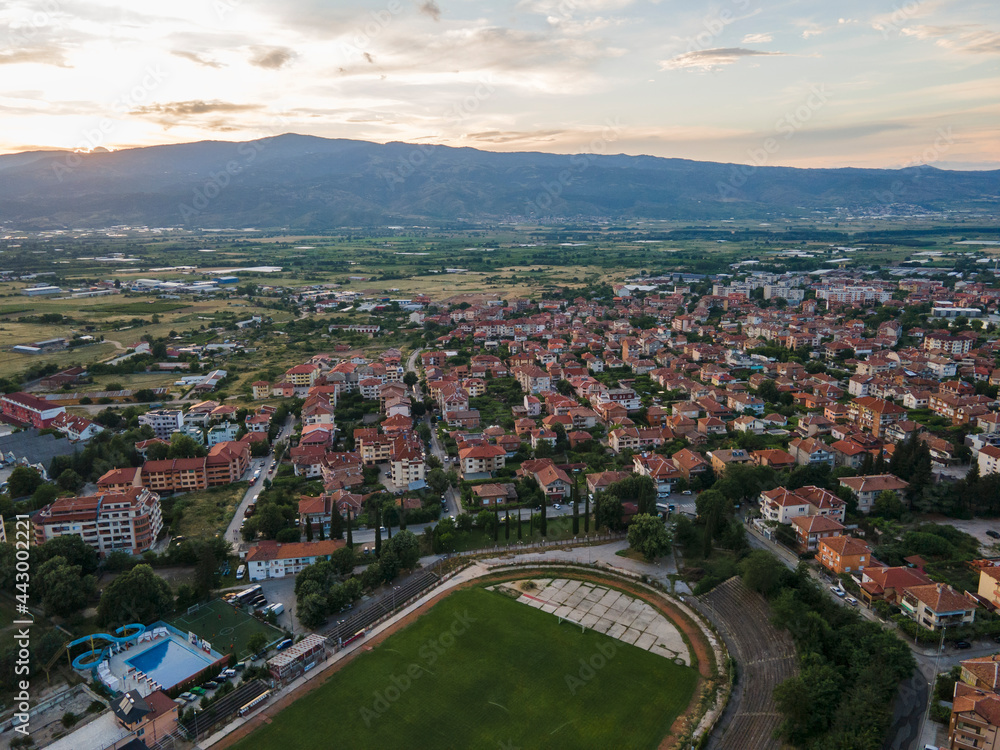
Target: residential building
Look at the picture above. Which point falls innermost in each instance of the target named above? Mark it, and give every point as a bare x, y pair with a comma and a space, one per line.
811, 529
121, 521
989, 460
843, 554
164, 422
975, 719
151, 719
28, 410
937, 605
660, 469
879, 583
270, 559
810, 452
874, 415
724, 457
481, 459
867, 488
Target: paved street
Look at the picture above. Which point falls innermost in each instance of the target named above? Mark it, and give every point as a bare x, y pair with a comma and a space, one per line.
267, 468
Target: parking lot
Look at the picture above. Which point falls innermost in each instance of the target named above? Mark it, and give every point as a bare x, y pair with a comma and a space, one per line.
977, 527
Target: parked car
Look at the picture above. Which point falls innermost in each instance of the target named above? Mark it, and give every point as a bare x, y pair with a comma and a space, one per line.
210, 685
963, 644
557, 506
838, 591
284, 644
198, 690
241, 571
851, 600
188, 697
991, 533
686, 492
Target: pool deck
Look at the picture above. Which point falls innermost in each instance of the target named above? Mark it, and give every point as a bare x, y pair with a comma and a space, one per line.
130, 679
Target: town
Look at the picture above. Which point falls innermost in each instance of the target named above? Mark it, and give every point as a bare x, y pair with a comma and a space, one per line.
259, 498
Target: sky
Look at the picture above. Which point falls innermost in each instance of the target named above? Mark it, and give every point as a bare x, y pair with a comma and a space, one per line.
807, 83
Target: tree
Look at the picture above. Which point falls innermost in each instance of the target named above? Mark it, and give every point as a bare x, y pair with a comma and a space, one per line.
378, 530
410, 379
257, 641
137, 596
64, 589
638, 489
608, 512
185, 446
343, 560
888, 505
808, 702
586, 515
206, 572
762, 572
23, 481
309, 530
648, 536
70, 480
73, 549
406, 548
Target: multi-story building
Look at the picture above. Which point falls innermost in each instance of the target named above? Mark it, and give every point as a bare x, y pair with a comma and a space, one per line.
407, 462
867, 488
989, 460
945, 343
165, 422
843, 554
270, 559
482, 459
937, 605
29, 410
126, 521
874, 415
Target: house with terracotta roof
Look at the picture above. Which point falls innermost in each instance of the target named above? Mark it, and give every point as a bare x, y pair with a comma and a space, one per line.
937, 605
601, 480
660, 469
809, 530
989, 587
867, 488
975, 719
773, 457
725, 457
481, 459
270, 559
119, 521
874, 415
490, 495
843, 554
689, 463
810, 452
150, 720
555, 482
881, 583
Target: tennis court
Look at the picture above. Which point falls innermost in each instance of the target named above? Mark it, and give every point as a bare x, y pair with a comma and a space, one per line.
225, 627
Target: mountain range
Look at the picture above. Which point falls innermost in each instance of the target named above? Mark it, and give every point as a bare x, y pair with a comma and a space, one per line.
309, 183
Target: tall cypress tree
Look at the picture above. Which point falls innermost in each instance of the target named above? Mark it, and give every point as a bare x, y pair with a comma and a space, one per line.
586, 515
544, 521
378, 531
576, 510
506, 520
496, 525
519, 524
350, 535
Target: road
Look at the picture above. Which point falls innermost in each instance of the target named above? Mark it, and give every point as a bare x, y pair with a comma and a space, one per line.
267, 468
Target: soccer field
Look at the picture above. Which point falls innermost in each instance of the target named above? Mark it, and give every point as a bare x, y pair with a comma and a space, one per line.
483, 671
225, 627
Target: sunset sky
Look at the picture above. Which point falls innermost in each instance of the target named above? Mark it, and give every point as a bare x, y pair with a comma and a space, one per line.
854, 83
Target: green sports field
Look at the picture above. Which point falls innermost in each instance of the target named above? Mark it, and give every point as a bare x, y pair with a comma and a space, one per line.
225, 627
483, 671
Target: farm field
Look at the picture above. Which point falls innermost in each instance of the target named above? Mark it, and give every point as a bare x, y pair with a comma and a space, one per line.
485, 671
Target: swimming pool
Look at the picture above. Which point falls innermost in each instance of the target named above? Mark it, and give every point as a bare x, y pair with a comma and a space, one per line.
170, 663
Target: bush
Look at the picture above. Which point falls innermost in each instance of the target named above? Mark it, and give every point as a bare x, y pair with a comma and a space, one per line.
69, 719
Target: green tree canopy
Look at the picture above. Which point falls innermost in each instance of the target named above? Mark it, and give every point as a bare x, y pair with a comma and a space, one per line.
648, 536
137, 596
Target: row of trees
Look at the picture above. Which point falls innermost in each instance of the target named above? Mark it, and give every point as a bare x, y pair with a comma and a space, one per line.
849, 668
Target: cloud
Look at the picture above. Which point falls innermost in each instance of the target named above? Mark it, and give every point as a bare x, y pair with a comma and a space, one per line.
513, 136
196, 58
430, 8
193, 107
40, 55
757, 38
271, 57
971, 38
712, 59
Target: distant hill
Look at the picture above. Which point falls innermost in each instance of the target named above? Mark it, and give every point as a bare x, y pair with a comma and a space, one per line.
310, 183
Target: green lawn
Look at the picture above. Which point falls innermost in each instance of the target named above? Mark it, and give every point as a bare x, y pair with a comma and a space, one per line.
225, 627
208, 512
483, 671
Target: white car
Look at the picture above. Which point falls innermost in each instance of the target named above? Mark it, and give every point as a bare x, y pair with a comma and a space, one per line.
686, 492
557, 506
851, 600
838, 591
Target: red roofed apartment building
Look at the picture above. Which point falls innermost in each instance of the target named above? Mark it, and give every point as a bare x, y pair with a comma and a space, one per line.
937, 605
29, 410
126, 521
270, 559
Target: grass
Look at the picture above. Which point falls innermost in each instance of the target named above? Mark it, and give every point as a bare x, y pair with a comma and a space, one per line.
487, 672
208, 512
225, 627
558, 529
